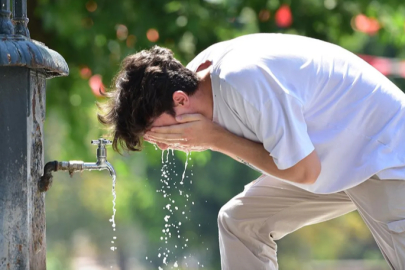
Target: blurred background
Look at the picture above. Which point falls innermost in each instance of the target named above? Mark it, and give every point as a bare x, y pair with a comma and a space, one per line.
94, 36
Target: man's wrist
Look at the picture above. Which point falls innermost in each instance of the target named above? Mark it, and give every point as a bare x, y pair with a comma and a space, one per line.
219, 139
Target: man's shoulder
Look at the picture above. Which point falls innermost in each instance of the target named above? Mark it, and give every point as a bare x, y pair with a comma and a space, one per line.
211, 53
238, 70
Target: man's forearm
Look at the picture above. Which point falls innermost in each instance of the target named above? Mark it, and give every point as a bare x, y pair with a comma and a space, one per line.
253, 153
194, 131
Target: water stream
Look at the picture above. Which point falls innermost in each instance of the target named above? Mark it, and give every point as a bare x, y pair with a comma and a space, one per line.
112, 219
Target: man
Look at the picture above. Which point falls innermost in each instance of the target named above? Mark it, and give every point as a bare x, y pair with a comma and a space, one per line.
323, 126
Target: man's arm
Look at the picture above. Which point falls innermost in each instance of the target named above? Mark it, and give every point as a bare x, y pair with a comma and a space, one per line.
248, 152
197, 132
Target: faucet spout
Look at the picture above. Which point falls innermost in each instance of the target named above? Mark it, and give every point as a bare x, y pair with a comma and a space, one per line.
111, 169
88, 166
78, 165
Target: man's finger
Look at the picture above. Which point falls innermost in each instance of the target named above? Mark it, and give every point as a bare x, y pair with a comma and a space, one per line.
148, 139
172, 129
184, 118
162, 146
164, 136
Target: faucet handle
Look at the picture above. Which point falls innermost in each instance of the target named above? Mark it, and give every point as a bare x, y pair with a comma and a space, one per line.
101, 150
101, 142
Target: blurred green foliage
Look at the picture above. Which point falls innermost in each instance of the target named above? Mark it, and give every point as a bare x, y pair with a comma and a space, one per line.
94, 36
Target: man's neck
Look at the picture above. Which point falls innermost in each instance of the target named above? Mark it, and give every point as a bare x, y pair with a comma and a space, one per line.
204, 93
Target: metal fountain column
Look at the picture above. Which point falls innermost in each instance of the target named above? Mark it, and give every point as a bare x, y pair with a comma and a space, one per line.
25, 64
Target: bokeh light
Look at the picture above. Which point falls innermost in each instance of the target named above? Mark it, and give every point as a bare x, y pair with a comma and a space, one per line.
75, 100
181, 21
114, 46
364, 24
284, 17
131, 40
91, 6
85, 72
100, 40
87, 22
264, 15
152, 35
330, 4
122, 31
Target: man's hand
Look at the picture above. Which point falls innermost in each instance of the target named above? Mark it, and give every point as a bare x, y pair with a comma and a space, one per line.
194, 133
197, 133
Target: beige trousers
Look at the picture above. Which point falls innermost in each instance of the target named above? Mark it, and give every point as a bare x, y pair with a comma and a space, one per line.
268, 209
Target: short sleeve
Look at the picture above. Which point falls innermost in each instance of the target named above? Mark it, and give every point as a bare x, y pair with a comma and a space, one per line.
283, 131
272, 104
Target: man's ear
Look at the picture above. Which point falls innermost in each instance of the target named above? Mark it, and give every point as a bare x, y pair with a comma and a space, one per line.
180, 98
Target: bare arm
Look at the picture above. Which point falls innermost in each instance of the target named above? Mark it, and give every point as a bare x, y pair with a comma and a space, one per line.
248, 152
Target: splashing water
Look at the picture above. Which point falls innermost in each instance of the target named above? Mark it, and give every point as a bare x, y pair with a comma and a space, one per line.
167, 252
185, 168
112, 219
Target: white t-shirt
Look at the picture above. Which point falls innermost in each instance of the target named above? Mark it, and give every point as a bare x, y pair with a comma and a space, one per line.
296, 94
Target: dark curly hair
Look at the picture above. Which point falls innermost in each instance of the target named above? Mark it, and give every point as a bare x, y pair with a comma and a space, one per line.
141, 91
